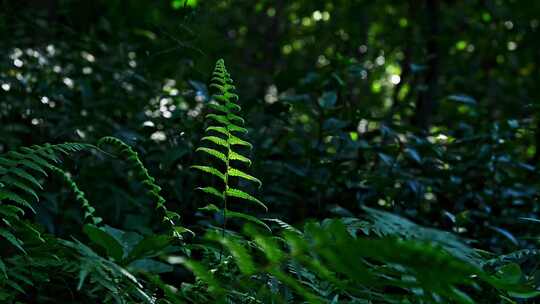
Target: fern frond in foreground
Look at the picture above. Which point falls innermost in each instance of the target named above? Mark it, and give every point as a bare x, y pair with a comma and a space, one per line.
22, 173
329, 262
224, 147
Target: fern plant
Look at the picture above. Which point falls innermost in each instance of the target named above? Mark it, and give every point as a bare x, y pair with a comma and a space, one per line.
223, 134
88, 209
152, 189
21, 176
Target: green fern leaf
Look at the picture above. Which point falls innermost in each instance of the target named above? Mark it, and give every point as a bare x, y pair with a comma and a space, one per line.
232, 106
235, 156
243, 195
235, 141
234, 214
211, 190
285, 226
238, 251
234, 117
35, 158
221, 130
8, 180
219, 108
230, 96
11, 211
216, 140
203, 274
228, 124
213, 153
5, 194
237, 173
234, 128
3, 269
267, 245
218, 79
210, 170
28, 161
219, 118
21, 173
12, 239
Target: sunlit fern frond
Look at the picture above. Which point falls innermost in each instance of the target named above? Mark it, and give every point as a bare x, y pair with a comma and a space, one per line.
223, 144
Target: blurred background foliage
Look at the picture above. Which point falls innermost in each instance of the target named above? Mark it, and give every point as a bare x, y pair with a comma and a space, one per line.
429, 109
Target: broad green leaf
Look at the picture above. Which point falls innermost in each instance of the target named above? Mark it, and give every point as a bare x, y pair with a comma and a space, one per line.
510, 273
149, 246
106, 241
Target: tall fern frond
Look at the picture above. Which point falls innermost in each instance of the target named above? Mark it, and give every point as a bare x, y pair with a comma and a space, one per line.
222, 139
152, 189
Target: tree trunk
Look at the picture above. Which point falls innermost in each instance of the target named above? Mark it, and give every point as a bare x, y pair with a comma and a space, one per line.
426, 104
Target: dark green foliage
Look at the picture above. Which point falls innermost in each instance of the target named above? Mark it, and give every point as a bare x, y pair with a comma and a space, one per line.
397, 142
21, 176
169, 217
